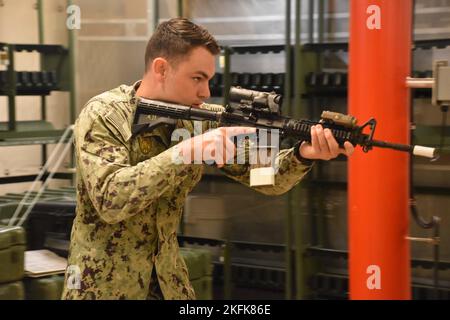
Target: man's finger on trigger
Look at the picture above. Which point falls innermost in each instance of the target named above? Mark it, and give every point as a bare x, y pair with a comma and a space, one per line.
219, 155
230, 151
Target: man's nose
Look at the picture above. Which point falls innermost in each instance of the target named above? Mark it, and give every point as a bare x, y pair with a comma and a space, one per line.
204, 92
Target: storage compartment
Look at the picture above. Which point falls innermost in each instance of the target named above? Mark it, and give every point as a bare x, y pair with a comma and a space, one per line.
198, 262
46, 288
12, 291
12, 248
49, 226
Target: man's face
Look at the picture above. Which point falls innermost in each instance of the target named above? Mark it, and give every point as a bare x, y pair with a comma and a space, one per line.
187, 82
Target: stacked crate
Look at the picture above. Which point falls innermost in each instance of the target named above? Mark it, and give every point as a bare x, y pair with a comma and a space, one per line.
44, 288
12, 248
13, 283
199, 266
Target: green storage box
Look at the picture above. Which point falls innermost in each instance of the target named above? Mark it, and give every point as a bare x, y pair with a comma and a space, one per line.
45, 288
12, 291
12, 249
203, 288
198, 262
199, 265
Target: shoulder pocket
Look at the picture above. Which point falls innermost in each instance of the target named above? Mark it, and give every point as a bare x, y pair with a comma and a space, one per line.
114, 120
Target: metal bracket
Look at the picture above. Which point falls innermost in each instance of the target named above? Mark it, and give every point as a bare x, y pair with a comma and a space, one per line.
439, 84
434, 241
441, 89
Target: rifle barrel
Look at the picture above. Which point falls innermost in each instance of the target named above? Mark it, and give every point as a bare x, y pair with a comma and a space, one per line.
414, 149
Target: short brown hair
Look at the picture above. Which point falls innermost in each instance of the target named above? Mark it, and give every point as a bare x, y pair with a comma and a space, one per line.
177, 37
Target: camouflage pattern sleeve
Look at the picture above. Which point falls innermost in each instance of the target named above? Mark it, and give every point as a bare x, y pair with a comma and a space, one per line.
117, 189
289, 172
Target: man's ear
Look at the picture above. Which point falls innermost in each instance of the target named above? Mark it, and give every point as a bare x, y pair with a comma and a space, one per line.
159, 68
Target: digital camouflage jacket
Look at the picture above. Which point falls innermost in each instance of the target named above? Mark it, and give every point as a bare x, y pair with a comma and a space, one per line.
130, 197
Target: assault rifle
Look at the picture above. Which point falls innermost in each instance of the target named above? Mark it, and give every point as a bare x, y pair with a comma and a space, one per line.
263, 111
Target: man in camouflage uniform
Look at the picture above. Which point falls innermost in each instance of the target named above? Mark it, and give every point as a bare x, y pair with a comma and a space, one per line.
131, 192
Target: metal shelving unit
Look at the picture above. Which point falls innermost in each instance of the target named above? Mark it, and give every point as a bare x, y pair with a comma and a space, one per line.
343, 46
56, 74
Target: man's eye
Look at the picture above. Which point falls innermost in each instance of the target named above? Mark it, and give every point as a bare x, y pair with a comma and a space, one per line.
197, 79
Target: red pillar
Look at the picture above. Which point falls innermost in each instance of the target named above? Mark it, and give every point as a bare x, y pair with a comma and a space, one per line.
379, 62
